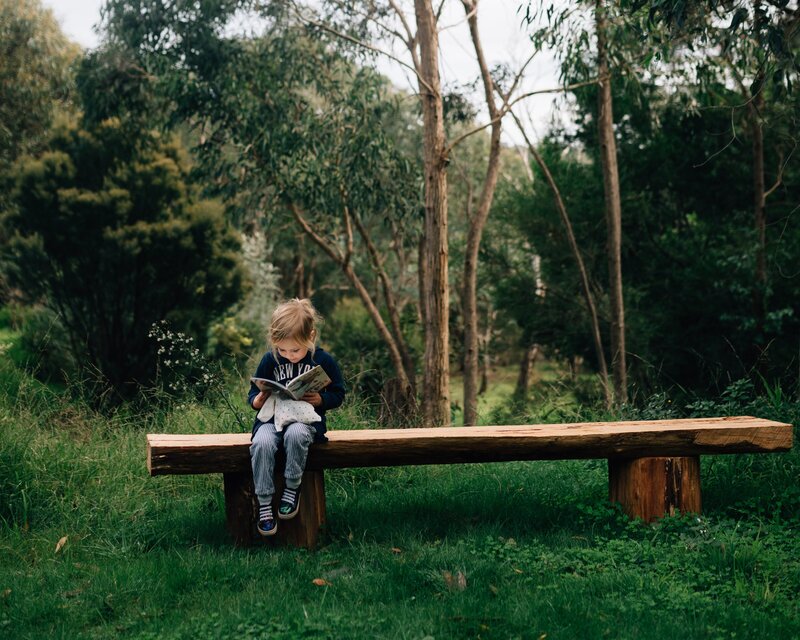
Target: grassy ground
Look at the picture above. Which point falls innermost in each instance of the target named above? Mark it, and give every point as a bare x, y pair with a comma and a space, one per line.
91, 547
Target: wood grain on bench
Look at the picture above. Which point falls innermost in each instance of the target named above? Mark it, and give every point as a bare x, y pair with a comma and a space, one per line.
224, 453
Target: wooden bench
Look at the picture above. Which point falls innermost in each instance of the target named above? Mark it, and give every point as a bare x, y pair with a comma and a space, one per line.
653, 466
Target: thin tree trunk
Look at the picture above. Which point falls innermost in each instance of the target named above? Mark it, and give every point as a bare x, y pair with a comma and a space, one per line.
756, 107
486, 359
436, 391
525, 367
573, 245
476, 226
608, 160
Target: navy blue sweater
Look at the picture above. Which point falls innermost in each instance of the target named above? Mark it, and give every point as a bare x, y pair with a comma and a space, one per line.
281, 370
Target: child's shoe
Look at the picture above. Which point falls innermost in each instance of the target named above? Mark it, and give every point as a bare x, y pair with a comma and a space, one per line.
267, 525
290, 503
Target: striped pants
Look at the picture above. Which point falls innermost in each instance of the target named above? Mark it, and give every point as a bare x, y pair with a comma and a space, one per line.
295, 439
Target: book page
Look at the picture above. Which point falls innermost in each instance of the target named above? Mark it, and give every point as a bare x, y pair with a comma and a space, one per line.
264, 384
311, 381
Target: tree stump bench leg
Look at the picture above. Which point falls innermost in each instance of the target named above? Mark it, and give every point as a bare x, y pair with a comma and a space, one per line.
649, 488
303, 529
241, 509
239, 499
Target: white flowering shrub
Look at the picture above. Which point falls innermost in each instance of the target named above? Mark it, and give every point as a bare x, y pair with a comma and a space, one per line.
182, 370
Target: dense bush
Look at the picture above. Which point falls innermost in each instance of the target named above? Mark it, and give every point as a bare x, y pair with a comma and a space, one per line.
352, 338
107, 232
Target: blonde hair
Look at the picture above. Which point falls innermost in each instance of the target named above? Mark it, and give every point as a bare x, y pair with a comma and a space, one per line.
297, 320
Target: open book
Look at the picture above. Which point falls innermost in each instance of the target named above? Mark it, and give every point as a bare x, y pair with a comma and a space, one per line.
311, 381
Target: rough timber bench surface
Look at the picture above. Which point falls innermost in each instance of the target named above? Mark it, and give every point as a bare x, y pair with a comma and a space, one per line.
653, 465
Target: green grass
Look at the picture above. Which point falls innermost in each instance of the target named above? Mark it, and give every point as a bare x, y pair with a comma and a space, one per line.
541, 552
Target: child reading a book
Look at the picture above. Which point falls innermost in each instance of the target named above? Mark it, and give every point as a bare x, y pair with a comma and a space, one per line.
293, 335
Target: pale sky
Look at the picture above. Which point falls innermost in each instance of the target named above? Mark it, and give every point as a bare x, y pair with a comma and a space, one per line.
503, 36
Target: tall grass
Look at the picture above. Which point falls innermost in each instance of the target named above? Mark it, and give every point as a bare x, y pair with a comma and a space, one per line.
91, 547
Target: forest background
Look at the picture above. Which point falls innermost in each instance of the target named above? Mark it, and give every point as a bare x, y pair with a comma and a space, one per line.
162, 191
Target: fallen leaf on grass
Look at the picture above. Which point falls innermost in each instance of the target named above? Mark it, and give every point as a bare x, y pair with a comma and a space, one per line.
396, 550
321, 582
61, 543
457, 582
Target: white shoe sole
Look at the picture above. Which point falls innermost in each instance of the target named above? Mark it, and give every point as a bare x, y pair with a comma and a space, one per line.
291, 515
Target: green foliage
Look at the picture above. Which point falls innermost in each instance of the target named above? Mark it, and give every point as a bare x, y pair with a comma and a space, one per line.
111, 85
351, 336
109, 234
688, 253
35, 78
231, 342
769, 29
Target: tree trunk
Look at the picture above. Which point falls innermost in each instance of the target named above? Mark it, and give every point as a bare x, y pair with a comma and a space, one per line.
436, 391
525, 368
486, 357
475, 233
576, 253
608, 160
755, 109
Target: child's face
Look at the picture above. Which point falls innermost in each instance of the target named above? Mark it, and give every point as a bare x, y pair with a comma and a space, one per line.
290, 349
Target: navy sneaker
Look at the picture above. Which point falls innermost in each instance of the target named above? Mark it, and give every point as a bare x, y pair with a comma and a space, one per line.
290, 503
267, 525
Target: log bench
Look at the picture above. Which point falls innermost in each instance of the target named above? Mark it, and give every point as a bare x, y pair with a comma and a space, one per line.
653, 466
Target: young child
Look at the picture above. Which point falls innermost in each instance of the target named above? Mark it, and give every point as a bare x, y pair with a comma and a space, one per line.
293, 335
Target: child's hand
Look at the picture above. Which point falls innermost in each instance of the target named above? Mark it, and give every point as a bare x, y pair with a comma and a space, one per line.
260, 399
314, 399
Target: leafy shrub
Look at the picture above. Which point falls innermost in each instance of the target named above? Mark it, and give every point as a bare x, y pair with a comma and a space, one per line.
231, 341
183, 371
354, 341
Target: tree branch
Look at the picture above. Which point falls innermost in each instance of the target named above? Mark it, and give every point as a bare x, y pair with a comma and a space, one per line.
576, 85
779, 180
323, 244
361, 43
411, 35
517, 78
507, 107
